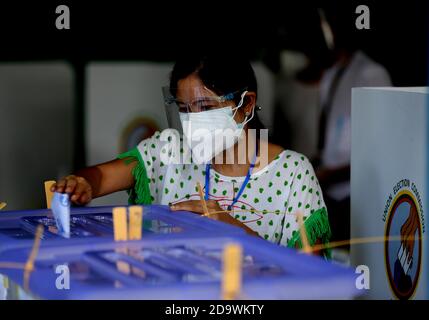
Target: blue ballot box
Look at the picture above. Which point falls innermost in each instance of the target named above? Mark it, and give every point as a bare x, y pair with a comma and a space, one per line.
172, 267
17, 228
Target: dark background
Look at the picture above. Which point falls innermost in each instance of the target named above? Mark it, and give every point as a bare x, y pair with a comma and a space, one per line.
148, 30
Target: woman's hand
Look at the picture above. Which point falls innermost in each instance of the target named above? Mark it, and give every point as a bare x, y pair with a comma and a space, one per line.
96, 181
215, 212
78, 188
408, 231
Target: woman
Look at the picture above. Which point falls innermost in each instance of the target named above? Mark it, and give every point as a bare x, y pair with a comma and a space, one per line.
261, 194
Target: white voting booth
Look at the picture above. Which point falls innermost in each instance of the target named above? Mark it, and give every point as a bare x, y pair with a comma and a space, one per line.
389, 190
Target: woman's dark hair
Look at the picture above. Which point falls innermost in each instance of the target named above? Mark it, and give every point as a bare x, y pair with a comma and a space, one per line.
222, 73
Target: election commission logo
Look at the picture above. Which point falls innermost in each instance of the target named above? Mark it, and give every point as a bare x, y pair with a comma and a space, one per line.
135, 131
403, 253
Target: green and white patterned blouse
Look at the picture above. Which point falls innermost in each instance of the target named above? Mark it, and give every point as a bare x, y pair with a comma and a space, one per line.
267, 205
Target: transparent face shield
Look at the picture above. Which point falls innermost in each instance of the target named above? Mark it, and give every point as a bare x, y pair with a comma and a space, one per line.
194, 100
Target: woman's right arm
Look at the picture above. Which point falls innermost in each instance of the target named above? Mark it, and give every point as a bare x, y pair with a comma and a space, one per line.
96, 181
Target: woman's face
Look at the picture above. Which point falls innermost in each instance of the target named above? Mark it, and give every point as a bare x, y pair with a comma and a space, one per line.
191, 90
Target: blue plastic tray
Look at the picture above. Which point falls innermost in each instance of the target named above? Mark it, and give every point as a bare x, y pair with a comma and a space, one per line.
181, 268
17, 228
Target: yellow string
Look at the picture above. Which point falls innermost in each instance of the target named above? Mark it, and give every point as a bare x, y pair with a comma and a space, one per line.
329, 245
29, 265
238, 211
202, 200
12, 265
363, 240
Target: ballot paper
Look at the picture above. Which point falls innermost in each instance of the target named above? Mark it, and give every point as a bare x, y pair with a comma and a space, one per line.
60, 206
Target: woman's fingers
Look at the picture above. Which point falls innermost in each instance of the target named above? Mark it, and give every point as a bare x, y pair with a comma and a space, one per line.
80, 188
71, 185
190, 205
213, 204
82, 200
195, 206
54, 187
59, 186
77, 187
85, 198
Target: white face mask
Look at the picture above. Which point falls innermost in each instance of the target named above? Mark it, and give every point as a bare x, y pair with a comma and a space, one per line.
210, 132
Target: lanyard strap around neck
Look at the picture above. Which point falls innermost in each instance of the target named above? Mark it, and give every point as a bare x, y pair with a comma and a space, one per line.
246, 180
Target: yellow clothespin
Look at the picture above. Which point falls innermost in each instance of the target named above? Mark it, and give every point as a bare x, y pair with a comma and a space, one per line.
123, 233
135, 222
49, 194
135, 227
2, 205
5, 282
120, 229
231, 273
203, 201
125, 228
306, 248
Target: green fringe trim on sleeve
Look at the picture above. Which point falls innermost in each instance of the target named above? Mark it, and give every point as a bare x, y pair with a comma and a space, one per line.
317, 227
140, 194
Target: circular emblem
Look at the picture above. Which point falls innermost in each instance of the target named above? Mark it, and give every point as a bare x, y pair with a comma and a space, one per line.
135, 131
403, 250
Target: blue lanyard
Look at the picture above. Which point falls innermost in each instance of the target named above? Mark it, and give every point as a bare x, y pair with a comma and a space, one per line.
246, 180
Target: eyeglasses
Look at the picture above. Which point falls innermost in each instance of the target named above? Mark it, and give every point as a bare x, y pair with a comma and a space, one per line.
200, 104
